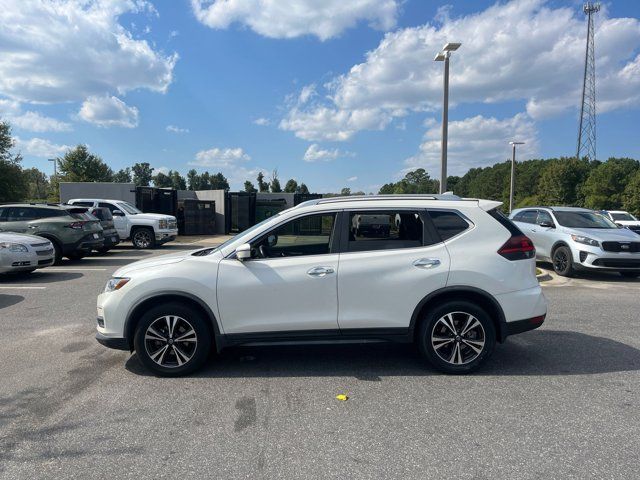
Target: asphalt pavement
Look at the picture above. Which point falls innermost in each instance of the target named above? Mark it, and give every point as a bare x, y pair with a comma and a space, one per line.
558, 402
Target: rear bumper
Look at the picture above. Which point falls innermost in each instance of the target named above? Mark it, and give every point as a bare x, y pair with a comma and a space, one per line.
113, 342
520, 326
86, 243
111, 239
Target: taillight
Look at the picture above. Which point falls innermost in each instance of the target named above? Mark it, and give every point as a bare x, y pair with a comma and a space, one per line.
76, 225
518, 247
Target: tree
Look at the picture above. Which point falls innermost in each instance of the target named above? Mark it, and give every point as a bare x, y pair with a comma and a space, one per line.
177, 181
142, 174
606, 183
291, 186
193, 180
37, 184
248, 187
561, 181
303, 189
219, 182
262, 185
122, 176
12, 182
80, 165
162, 181
275, 183
416, 181
345, 192
631, 195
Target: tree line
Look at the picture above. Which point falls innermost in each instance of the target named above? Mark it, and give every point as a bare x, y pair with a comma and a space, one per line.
612, 184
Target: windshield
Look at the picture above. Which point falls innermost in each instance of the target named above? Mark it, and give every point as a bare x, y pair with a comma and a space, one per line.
130, 209
623, 216
583, 220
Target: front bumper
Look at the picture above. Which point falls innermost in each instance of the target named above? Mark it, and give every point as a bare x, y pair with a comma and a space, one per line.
164, 236
23, 261
113, 342
594, 258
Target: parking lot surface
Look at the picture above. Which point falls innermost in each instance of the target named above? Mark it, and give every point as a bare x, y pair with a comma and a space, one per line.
558, 402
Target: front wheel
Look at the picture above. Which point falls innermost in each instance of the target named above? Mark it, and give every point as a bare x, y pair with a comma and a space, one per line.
563, 262
76, 255
143, 238
630, 274
172, 340
457, 337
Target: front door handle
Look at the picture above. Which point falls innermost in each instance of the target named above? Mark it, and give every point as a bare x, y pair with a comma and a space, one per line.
426, 263
320, 271
33, 226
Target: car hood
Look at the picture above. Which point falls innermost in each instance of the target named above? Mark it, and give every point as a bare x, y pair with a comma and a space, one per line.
155, 261
153, 216
606, 234
20, 238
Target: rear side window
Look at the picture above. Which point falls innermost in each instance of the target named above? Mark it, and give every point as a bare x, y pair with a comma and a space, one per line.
448, 223
528, 216
83, 204
109, 206
382, 230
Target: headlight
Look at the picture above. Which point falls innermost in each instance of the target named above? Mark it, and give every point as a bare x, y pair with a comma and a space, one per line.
585, 240
163, 224
116, 283
13, 247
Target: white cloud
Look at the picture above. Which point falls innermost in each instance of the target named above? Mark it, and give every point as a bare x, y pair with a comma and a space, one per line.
220, 157
263, 122
69, 50
108, 111
475, 142
174, 129
352, 179
522, 50
39, 147
36, 122
293, 18
158, 170
316, 154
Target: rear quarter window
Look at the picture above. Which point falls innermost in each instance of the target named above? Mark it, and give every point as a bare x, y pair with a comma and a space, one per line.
448, 223
505, 222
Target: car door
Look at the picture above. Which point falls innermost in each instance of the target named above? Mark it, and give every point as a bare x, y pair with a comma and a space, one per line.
17, 219
119, 221
385, 273
544, 235
289, 284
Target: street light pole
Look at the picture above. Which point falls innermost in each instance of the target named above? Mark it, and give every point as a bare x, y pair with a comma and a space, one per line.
443, 56
55, 175
513, 173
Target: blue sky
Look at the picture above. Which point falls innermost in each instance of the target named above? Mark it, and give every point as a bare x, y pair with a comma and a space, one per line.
333, 97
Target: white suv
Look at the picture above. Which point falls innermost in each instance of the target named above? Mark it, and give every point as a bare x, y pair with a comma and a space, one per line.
452, 275
145, 230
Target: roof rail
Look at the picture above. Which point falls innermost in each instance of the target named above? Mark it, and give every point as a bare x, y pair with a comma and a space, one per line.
362, 198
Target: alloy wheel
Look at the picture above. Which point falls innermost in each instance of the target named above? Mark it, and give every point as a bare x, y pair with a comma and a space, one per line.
560, 261
170, 341
142, 239
458, 338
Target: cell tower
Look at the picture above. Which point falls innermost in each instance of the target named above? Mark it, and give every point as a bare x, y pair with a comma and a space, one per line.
587, 130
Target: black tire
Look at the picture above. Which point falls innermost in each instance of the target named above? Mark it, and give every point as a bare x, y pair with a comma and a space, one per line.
76, 255
57, 253
630, 274
438, 343
103, 249
21, 272
169, 365
143, 238
562, 261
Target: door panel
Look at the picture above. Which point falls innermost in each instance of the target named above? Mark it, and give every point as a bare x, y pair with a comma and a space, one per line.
278, 294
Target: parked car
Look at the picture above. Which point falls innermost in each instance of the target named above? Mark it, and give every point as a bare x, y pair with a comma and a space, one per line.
457, 278
71, 230
24, 253
577, 238
624, 219
111, 237
145, 230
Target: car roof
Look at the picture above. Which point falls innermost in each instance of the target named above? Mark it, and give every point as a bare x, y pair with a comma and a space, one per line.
95, 200
383, 201
554, 209
38, 205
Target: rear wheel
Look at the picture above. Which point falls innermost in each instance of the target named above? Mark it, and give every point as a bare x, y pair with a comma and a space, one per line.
103, 249
630, 274
76, 255
143, 238
172, 340
563, 261
457, 337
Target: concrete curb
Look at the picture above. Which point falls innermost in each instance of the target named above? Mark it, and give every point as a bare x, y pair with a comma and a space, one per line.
544, 277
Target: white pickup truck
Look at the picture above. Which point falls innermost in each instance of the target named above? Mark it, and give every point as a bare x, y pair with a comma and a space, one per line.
145, 230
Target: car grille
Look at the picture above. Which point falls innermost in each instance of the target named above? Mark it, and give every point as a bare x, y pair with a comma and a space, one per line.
44, 253
617, 263
38, 245
621, 246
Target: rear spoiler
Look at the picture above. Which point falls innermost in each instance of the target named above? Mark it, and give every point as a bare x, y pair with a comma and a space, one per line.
72, 209
485, 205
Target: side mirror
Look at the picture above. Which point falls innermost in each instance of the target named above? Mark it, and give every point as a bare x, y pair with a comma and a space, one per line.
547, 225
243, 252
117, 213
272, 240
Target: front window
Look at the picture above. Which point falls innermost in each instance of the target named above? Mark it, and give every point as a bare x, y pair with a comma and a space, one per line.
308, 235
130, 209
625, 217
583, 220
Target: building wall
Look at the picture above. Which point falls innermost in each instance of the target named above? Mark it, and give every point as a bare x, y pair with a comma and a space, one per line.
106, 190
218, 196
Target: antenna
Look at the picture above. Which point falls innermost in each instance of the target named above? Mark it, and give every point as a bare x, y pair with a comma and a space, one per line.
587, 130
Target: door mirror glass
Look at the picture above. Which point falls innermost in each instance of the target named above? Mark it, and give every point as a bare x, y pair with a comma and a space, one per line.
118, 213
243, 252
547, 224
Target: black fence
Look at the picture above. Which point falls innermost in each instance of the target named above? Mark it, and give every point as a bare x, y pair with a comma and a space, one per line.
240, 211
196, 217
157, 200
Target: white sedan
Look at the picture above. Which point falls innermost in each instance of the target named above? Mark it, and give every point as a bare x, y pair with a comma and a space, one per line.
24, 253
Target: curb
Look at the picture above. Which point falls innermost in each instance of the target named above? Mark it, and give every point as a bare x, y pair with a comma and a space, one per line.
544, 277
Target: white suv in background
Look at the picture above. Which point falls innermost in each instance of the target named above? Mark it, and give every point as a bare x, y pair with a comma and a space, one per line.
145, 230
454, 276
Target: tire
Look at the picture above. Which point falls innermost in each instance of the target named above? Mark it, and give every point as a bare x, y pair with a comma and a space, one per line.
57, 253
143, 238
103, 250
451, 352
76, 255
22, 272
630, 274
562, 261
177, 358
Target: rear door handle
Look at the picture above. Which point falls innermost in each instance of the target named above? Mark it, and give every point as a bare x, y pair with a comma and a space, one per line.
320, 271
426, 263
